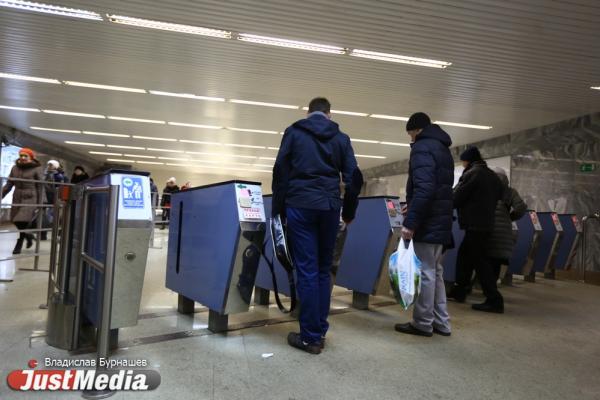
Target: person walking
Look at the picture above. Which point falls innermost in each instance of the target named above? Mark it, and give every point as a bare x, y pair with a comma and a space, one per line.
475, 197
21, 214
306, 193
510, 208
165, 201
428, 221
79, 174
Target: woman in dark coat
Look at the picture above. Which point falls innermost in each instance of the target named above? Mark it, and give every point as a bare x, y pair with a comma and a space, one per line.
26, 167
510, 208
79, 174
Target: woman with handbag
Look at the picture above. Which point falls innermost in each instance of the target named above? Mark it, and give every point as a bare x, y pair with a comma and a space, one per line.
21, 214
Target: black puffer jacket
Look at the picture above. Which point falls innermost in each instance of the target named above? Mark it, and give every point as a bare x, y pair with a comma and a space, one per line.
510, 208
429, 187
476, 196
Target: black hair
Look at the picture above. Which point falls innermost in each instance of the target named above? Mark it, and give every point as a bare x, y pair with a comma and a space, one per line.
319, 104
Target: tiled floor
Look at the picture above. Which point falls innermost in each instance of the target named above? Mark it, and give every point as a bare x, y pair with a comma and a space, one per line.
546, 346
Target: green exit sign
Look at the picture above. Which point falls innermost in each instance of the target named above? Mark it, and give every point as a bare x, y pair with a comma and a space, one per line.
587, 167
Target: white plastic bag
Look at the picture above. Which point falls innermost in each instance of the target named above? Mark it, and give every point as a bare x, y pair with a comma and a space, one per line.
405, 274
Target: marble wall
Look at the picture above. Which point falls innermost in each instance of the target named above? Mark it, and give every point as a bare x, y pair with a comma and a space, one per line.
545, 168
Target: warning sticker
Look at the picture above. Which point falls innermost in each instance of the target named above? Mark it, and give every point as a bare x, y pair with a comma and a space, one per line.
132, 192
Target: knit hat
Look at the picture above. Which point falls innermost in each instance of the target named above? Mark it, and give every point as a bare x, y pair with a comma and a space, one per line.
54, 163
471, 154
28, 151
172, 179
418, 120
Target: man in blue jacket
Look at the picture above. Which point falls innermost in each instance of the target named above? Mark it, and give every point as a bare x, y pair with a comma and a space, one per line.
306, 190
428, 221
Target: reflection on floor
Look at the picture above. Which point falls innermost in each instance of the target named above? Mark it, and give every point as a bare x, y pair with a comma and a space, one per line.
544, 347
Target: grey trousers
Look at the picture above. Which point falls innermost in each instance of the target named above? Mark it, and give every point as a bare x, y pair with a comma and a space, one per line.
430, 308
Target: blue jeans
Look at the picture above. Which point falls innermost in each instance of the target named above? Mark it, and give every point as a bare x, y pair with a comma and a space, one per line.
312, 235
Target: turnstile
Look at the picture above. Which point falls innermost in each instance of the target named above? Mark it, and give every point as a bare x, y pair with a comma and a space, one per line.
89, 242
215, 234
567, 250
449, 260
525, 249
370, 240
552, 234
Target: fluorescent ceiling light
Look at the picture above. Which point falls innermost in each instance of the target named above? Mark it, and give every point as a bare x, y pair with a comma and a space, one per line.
39, 128
195, 125
138, 156
252, 130
164, 150
148, 121
203, 153
168, 26
20, 108
267, 158
292, 44
180, 165
150, 162
244, 145
50, 9
84, 143
74, 114
364, 140
105, 153
185, 95
261, 103
423, 62
119, 160
273, 148
118, 146
200, 142
172, 158
396, 144
155, 138
262, 165
104, 134
382, 116
595, 87
28, 78
106, 87
368, 156
462, 125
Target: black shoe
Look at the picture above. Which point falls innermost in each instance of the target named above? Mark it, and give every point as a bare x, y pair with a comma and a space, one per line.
295, 340
487, 307
29, 239
411, 330
44, 236
441, 333
456, 294
18, 246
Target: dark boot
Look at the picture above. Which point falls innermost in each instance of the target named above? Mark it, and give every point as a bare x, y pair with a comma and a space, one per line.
295, 340
44, 235
411, 330
29, 239
457, 293
18, 246
491, 307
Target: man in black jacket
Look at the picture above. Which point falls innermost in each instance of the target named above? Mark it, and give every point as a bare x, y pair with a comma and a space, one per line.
428, 221
475, 198
306, 190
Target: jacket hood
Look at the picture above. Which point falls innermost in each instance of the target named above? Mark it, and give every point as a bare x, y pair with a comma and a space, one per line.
319, 126
434, 131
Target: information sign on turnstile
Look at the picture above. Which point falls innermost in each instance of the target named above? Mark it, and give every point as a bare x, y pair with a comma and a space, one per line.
552, 234
370, 240
529, 232
216, 232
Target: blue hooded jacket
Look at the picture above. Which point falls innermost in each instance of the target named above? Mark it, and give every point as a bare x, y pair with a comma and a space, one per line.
306, 174
429, 187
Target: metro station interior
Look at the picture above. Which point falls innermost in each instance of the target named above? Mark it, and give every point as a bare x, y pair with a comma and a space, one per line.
139, 93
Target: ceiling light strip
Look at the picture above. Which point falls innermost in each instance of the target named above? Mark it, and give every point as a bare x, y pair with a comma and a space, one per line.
185, 95
85, 143
293, 44
28, 78
187, 125
167, 26
396, 58
19, 108
147, 121
74, 114
484, 127
39, 128
50, 9
252, 130
105, 87
155, 138
105, 134
393, 117
263, 104
118, 146
369, 156
105, 153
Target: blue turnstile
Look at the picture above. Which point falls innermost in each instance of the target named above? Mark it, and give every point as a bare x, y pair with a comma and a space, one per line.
215, 235
449, 261
552, 234
525, 249
572, 230
370, 240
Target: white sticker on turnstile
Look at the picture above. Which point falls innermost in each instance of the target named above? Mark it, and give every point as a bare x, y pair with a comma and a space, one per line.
132, 192
250, 202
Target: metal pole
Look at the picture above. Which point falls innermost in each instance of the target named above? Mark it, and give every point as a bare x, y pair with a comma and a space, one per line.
40, 218
53, 247
103, 345
82, 247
